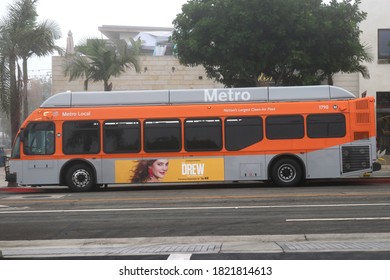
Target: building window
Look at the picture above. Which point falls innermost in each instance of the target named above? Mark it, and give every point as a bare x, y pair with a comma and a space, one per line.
383, 102
383, 44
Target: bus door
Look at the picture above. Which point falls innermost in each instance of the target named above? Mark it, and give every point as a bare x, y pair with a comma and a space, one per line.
39, 167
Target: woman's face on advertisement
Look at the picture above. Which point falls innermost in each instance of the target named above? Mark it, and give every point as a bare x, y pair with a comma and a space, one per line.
160, 168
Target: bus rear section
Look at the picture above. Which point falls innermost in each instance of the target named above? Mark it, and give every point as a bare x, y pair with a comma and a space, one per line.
285, 135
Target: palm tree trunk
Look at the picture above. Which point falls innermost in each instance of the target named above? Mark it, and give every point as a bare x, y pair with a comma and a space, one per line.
15, 98
330, 80
107, 86
86, 85
14, 104
25, 84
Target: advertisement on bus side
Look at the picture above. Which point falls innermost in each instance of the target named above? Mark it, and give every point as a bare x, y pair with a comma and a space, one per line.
169, 170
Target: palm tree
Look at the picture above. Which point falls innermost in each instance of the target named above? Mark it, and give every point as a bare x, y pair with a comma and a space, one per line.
21, 37
4, 76
12, 30
39, 41
99, 60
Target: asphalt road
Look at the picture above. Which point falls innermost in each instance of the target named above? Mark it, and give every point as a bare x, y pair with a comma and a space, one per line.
163, 211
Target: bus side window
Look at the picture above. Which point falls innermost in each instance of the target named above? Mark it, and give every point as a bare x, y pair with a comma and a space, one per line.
203, 135
162, 135
81, 137
242, 132
326, 125
285, 127
122, 136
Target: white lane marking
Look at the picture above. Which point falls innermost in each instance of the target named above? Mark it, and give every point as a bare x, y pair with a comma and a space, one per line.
35, 196
338, 219
177, 257
3, 206
192, 208
10, 209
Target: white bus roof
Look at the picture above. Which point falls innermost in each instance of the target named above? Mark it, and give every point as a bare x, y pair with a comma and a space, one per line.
196, 96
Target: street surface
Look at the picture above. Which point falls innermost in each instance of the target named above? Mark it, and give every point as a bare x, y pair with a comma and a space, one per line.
212, 210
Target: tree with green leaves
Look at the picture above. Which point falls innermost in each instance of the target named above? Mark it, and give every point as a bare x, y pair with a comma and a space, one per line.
99, 60
236, 41
21, 37
340, 49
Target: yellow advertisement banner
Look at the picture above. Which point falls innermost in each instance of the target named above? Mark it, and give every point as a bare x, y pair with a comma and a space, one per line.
169, 170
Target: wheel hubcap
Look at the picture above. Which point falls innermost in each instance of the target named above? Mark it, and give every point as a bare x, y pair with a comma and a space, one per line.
81, 178
287, 173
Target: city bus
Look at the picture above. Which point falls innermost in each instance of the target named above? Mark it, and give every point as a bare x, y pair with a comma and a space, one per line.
85, 140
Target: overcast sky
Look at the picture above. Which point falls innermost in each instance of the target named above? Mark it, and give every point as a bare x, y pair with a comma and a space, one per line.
83, 17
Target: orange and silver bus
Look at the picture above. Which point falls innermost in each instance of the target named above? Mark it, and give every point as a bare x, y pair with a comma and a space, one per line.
84, 140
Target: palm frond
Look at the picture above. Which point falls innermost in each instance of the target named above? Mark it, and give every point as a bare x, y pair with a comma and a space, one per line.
105, 59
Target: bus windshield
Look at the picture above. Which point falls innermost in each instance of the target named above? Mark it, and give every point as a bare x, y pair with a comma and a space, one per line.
16, 148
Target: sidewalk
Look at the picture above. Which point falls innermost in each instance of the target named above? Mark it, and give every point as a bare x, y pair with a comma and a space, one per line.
383, 173
3, 182
188, 245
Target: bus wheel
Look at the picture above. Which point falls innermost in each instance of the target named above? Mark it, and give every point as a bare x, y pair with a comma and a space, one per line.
286, 172
80, 178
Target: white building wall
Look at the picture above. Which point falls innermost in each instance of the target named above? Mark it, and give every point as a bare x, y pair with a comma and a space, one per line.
377, 18
349, 82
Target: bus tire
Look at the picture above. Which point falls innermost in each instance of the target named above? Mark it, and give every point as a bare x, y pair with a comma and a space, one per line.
286, 172
80, 178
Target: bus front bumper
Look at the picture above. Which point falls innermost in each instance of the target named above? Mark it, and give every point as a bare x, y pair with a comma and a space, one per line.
9, 177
